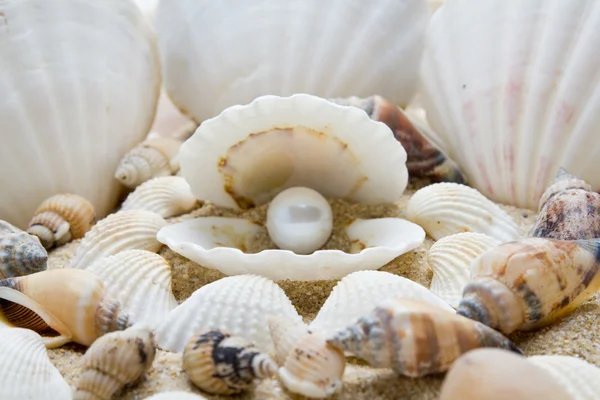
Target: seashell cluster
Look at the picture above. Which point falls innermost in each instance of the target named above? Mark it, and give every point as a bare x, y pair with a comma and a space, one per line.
220, 363
20, 253
167, 196
113, 361
62, 218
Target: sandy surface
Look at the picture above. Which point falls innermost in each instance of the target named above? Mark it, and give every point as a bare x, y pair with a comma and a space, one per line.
576, 335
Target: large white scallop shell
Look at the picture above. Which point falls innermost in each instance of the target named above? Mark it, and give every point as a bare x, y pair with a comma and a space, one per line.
166, 196
69, 104
236, 51
240, 305
450, 259
579, 378
219, 243
512, 113
25, 369
444, 209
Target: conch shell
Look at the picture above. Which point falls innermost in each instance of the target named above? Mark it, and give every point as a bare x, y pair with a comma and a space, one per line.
69, 304
62, 218
531, 283
20, 253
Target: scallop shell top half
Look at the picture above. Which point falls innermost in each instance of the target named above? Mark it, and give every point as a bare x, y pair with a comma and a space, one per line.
249, 153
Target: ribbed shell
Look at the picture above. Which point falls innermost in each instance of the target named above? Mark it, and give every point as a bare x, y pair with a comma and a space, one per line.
20, 253
176, 395
443, 209
578, 377
166, 196
124, 230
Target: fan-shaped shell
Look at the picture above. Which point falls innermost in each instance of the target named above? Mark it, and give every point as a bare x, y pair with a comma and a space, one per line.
124, 230
166, 196
240, 305
578, 377
513, 113
444, 209
20, 253
70, 106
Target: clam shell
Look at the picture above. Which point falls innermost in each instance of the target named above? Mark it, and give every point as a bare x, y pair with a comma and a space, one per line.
81, 110
25, 369
20, 253
124, 230
166, 196
444, 209
175, 395
238, 304
220, 243
578, 377
511, 115
450, 259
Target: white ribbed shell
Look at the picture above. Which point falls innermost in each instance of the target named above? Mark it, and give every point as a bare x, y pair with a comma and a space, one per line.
166, 196
579, 378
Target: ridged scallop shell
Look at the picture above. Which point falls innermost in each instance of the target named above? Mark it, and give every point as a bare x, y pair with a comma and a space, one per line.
578, 377
450, 259
175, 395
81, 109
220, 363
166, 196
62, 218
20, 253
528, 284
512, 114
354, 49
444, 209
124, 230
415, 338
25, 369
68, 304
360, 292
237, 304
141, 281
113, 361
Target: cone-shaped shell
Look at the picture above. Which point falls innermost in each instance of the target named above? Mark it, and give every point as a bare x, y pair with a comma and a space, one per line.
124, 230
20, 253
25, 369
166, 196
579, 378
443, 209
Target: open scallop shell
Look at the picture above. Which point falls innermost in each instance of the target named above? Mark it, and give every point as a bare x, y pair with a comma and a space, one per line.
70, 106
219, 243
511, 114
579, 378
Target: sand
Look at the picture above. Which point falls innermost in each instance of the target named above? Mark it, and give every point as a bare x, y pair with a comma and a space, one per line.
576, 335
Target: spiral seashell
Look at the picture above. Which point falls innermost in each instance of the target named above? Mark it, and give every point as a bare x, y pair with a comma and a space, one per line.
220, 363
167, 196
113, 361
415, 338
62, 218
124, 230
20, 253
70, 305
443, 209
175, 395
531, 283
309, 365
152, 158
569, 210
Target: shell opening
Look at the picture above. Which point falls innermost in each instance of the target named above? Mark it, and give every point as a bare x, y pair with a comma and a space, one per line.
22, 317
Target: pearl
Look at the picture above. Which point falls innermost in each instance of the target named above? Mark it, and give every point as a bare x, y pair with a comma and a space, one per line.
299, 219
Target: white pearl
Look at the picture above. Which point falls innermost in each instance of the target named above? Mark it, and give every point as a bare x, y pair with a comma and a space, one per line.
299, 219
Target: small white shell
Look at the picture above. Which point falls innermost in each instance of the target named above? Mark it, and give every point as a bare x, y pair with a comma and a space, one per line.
450, 259
443, 209
360, 292
579, 378
124, 230
141, 281
238, 304
167, 196
25, 369
176, 395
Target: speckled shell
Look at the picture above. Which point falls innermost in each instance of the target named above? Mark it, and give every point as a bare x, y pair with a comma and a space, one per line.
443, 209
124, 230
113, 361
578, 377
26, 372
450, 259
220, 363
415, 338
141, 281
62, 218
237, 304
167, 196
531, 283
175, 395
20, 253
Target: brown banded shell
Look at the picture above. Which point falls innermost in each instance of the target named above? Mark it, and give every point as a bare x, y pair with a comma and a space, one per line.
528, 284
113, 361
62, 218
220, 363
63, 305
20, 253
415, 338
